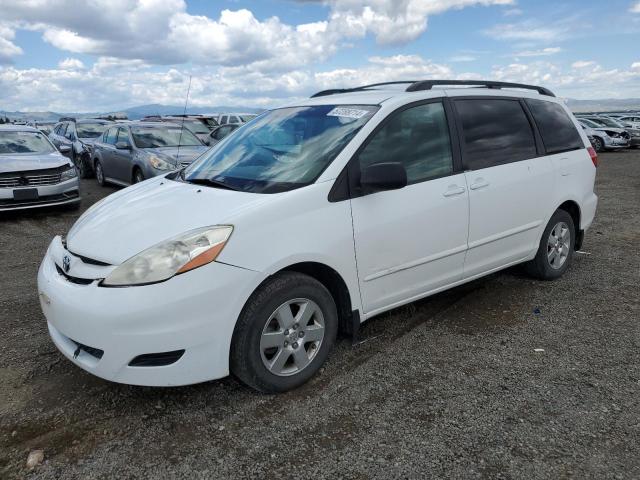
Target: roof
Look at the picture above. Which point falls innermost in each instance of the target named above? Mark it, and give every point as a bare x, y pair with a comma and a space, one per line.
18, 128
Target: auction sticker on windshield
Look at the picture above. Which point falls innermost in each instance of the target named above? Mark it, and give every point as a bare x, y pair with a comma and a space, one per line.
347, 112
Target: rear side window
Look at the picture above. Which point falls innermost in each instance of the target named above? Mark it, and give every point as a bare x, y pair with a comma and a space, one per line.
494, 131
558, 132
418, 137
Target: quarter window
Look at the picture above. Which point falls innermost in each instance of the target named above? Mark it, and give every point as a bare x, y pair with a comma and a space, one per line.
494, 132
558, 132
417, 137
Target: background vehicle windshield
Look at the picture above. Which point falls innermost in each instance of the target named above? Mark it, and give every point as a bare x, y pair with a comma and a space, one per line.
24, 142
156, 137
283, 149
90, 130
607, 122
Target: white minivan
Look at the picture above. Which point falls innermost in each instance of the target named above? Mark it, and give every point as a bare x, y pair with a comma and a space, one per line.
312, 219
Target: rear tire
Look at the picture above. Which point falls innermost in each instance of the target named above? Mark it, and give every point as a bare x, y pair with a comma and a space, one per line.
284, 333
556, 248
99, 173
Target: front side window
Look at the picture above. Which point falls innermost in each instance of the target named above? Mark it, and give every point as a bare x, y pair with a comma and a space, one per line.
417, 137
558, 132
112, 135
157, 137
24, 142
281, 150
494, 131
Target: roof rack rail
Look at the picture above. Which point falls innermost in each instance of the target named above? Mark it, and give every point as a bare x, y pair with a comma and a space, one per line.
334, 91
429, 84
415, 86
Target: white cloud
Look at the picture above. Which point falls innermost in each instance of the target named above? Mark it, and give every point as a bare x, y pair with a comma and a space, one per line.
583, 64
462, 58
530, 31
8, 50
70, 64
635, 7
543, 52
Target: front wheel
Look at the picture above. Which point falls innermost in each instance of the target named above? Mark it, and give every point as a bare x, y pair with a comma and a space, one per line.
556, 248
598, 144
138, 176
284, 333
99, 173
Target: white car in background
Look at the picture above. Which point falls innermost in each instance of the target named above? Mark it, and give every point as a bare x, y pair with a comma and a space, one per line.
32, 172
314, 218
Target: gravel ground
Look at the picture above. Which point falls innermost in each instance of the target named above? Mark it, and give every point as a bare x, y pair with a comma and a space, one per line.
450, 386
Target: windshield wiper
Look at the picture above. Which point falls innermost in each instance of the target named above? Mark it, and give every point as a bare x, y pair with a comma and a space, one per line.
210, 182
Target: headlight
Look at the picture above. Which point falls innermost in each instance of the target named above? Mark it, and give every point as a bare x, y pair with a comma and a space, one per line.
178, 255
69, 173
160, 164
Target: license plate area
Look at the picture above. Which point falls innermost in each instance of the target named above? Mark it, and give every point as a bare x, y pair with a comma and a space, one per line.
25, 194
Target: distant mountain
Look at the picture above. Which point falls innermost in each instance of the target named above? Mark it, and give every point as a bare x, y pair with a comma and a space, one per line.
133, 113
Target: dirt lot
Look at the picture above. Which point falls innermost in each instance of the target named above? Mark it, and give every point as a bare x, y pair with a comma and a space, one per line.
448, 387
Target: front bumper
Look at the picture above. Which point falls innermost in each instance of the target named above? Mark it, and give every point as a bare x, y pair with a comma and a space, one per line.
195, 312
62, 193
613, 142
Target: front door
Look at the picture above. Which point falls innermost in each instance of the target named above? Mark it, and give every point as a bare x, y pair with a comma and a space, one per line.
122, 165
411, 241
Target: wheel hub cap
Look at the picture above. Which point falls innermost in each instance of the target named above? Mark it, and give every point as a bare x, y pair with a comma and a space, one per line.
558, 245
292, 336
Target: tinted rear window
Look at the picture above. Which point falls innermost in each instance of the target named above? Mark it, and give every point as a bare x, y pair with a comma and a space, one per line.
494, 131
558, 132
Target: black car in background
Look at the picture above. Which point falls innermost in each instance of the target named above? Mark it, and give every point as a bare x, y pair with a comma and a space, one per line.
79, 135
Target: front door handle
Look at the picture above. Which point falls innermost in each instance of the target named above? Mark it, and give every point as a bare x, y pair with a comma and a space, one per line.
454, 190
478, 184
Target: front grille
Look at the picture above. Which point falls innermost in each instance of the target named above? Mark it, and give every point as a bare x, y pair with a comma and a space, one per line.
90, 261
160, 359
185, 164
76, 280
32, 178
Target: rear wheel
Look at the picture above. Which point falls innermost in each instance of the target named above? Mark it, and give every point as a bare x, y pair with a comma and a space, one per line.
284, 333
556, 248
99, 173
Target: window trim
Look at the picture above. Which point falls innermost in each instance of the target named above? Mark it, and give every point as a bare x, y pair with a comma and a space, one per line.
345, 186
543, 151
537, 139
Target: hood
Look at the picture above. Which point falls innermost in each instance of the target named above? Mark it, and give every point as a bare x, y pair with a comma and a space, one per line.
19, 163
610, 129
136, 218
186, 154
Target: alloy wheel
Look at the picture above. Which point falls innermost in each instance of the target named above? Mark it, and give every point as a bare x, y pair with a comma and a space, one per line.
558, 245
292, 336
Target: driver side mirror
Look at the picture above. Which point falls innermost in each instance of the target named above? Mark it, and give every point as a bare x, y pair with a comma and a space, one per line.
123, 146
383, 176
64, 148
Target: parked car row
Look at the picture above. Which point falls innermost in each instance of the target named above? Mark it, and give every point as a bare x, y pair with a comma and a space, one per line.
609, 132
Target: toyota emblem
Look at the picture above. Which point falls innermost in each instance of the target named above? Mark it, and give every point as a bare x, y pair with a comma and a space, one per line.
66, 263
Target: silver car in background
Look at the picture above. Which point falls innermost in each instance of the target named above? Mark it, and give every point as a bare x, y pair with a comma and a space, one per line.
130, 153
32, 172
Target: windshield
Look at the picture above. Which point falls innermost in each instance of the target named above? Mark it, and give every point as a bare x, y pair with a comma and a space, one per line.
246, 118
24, 142
607, 122
211, 122
90, 130
156, 137
589, 123
282, 149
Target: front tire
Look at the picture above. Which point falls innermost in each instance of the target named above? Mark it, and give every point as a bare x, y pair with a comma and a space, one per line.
598, 144
99, 173
284, 334
138, 176
556, 248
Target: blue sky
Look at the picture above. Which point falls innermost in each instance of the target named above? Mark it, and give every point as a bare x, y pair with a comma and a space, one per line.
111, 54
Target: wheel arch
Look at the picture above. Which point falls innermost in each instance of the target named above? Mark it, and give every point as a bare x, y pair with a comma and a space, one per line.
573, 209
333, 281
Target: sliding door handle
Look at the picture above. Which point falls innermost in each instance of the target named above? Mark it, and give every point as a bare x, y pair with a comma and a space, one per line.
454, 190
478, 184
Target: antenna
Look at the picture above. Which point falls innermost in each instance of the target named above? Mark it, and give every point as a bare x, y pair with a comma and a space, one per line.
184, 114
